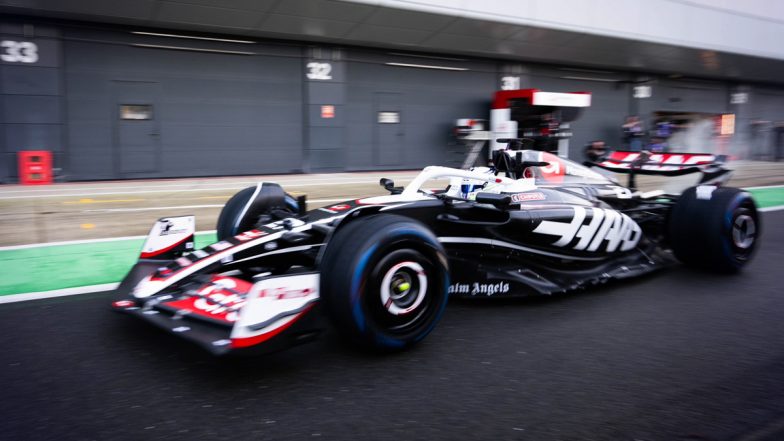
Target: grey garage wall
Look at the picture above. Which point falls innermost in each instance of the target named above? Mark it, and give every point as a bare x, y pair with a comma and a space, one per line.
765, 124
325, 97
686, 96
255, 110
214, 113
30, 96
428, 102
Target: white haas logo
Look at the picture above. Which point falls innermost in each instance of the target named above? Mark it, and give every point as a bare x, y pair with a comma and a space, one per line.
605, 226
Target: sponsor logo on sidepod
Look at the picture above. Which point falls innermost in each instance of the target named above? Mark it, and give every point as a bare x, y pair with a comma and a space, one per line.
605, 226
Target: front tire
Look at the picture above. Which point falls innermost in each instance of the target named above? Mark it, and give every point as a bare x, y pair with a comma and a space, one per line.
714, 228
235, 217
384, 281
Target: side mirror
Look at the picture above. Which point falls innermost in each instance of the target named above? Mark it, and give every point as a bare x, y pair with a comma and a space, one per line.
302, 205
389, 185
495, 199
525, 164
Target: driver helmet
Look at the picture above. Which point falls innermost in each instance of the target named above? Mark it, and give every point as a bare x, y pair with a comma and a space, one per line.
469, 187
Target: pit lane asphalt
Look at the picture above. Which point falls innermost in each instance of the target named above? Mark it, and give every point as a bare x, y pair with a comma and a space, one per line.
678, 355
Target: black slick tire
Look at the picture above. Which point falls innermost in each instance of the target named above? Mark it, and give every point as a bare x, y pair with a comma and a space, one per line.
230, 225
384, 282
714, 228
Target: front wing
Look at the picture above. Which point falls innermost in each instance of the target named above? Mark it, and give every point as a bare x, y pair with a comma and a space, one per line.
227, 315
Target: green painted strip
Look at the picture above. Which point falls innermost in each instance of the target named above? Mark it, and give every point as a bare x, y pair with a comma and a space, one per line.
66, 266
768, 197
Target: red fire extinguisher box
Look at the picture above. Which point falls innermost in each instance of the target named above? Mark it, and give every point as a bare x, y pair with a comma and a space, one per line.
35, 167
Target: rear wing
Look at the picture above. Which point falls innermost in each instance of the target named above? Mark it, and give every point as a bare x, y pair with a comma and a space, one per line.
665, 164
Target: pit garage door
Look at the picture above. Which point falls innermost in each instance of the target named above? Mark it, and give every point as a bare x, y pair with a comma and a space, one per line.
401, 109
141, 106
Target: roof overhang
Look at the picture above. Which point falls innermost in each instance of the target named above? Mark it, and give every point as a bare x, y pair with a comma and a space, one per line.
374, 25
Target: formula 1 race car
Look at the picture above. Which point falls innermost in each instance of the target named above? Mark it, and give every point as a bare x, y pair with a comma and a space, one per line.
381, 269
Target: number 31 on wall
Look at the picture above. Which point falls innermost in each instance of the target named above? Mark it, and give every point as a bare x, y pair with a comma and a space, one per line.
18, 51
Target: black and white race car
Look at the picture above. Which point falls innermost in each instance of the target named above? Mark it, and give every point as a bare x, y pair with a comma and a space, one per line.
381, 269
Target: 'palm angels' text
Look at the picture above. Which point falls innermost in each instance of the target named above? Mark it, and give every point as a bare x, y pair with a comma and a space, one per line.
487, 289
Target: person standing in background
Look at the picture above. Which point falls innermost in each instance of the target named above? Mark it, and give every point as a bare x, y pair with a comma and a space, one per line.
596, 151
633, 133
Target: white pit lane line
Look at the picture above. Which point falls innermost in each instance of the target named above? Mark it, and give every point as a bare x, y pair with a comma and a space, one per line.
138, 191
773, 208
13, 298
205, 183
763, 187
87, 241
175, 188
176, 207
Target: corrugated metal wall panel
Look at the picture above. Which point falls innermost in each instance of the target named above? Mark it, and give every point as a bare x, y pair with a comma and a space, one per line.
216, 113
430, 101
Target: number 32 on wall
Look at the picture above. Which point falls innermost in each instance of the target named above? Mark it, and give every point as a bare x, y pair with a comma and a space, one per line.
18, 51
319, 71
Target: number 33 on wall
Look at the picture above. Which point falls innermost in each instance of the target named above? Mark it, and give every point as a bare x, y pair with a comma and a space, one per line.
18, 51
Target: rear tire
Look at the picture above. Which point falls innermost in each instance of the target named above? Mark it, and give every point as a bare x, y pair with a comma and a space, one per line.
384, 282
718, 231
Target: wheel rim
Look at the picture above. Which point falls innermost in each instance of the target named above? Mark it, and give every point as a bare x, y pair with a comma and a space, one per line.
403, 288
400, 297
744, 230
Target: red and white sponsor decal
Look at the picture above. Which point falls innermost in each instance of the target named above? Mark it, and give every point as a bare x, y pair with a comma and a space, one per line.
531, 196
281, 293
276, 303
220, 299
249, 235
122, 304
244, 342
555, 171
335, 209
